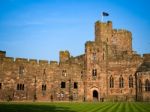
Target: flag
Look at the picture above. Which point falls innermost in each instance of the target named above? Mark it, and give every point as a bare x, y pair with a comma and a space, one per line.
105, 14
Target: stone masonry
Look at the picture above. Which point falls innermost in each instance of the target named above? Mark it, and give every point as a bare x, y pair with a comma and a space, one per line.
109, 70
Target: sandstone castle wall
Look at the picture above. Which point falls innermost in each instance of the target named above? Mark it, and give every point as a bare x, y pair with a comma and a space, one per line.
109, 70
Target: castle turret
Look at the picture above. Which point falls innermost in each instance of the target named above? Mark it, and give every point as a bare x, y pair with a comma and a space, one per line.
118, 40
2, 54
64, 56
103, 31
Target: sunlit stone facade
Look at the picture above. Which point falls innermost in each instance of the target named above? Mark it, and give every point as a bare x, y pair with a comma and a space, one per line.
109, 70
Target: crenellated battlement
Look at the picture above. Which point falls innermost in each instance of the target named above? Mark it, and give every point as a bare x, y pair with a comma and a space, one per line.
64, 56
146, 57
9, 59
121, 38
89, 43
21, 60
54, 64
2, 54
104, 24
33, 61
122, 31
29, 61
43, 62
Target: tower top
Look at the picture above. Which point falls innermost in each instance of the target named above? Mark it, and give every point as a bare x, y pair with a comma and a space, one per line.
2, 54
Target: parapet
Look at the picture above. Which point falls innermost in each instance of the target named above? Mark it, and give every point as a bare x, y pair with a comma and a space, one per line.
53, 63
22, 60
2, 54
122, 31
89, 43
108, 23
33, 61
146, 57
137, 57
64, 56
8, 59
43, 62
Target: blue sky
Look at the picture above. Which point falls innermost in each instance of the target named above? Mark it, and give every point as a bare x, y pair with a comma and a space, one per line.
39, 29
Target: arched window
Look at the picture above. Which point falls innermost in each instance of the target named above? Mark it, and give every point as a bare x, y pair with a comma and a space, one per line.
140, 85
21, 70
94, 72
130, 81
121, 82
111, 81
43, 87
147, 85
20, 86
64, 73
94, 56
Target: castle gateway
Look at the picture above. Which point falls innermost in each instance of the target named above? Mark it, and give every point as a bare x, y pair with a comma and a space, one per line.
109, 70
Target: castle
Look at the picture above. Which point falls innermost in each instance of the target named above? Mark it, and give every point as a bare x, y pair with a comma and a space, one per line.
109, 70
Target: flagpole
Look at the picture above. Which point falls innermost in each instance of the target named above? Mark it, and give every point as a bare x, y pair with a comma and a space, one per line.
101, 17
104, 14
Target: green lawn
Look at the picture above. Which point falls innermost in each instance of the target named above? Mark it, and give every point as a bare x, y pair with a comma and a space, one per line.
74, 107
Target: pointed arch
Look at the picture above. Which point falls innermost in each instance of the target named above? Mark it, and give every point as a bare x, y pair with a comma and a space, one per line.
94, 72
121, 82
147, 85
95, 95
130, 81
140, 85
111, 82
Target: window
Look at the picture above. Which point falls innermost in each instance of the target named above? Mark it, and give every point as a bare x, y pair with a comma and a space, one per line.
20, 86
63, 84
147, 85
21, 70
130, 81
107, 39
140, 85
94, 72
64, 73
75, 96
0, 85
103, 56
75, 85
94, 56
43, 87
44, 71
111, 80
44, 75
81, 74
121, 82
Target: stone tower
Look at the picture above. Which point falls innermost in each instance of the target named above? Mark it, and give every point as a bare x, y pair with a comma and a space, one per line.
109, 70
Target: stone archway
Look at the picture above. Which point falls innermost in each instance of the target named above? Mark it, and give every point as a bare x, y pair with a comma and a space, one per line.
95, 95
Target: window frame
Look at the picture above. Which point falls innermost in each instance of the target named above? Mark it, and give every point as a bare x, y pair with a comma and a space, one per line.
111, 82
121, 82
63, 84
43, 87
130, 81
75, 85
147, 85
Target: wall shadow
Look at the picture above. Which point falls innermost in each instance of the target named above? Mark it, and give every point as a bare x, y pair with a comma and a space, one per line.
33, 108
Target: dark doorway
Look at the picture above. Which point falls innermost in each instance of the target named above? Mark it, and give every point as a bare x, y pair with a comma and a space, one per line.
95, 95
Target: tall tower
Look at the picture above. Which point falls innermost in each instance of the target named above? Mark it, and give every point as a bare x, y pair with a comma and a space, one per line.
96, 58
119, 40
64, 56
103, 32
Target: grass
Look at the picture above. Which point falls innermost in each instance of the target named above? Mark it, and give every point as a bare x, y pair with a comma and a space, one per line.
74, 107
